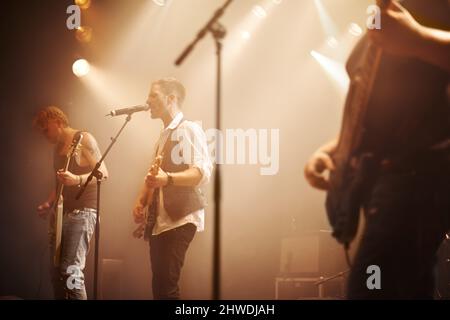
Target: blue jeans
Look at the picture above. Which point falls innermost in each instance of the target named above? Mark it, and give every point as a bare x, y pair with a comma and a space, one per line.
77, 230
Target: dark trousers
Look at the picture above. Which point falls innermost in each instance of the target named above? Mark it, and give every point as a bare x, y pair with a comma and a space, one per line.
167, 253
407, 216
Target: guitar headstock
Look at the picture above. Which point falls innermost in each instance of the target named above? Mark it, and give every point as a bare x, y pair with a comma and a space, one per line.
76, 145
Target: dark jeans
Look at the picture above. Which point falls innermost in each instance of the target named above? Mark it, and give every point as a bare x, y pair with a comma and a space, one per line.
407, 216
167, 253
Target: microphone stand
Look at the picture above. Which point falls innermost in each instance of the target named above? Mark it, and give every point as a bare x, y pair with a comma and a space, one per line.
99, 176
218, 32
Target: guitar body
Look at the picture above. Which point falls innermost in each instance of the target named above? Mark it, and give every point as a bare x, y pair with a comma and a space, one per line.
57, 229
146, 227
355, 169
150, 214
348, 186
149, 218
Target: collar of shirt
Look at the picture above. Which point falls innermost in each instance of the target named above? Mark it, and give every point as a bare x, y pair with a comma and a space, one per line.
165, 132
175, 121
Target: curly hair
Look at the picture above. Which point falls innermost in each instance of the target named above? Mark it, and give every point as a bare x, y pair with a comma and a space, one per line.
49, 113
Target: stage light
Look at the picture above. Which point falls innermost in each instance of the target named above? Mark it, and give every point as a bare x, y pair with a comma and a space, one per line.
160, 3
83, 4
81, 67
326, 21
259, 12
332, 42
277, 1
84, 34
334, 69
245, 35
355, 30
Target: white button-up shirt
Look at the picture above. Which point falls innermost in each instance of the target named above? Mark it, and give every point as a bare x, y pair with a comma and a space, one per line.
194, 137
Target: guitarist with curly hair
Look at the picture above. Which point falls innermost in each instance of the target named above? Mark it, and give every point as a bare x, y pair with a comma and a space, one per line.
77, 225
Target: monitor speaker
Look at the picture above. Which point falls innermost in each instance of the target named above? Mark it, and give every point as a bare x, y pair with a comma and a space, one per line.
311, 254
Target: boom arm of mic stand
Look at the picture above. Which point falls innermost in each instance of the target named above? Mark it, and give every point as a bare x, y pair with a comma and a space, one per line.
219, 13
95, 172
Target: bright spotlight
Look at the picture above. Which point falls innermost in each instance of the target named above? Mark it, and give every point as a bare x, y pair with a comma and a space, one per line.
326, 21
245, 35
334, 69
81, 67
83, 4
332, 42
160, 3
259, 12
355, 30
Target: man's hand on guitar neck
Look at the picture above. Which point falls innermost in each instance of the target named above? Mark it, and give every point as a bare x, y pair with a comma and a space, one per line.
158, 180
68, 178
401, 34
318, 165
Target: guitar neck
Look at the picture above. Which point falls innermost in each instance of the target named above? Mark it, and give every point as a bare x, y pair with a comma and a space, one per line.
358, 97
153, 171
60, 186
357, 101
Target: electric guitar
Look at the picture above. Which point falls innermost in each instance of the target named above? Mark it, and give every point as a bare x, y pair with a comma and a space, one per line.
354, 170
57, 208
149, 215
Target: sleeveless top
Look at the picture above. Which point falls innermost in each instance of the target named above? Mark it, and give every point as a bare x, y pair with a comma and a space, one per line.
89, 197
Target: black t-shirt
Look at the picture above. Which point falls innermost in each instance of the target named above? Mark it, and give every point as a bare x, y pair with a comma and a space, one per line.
409, 109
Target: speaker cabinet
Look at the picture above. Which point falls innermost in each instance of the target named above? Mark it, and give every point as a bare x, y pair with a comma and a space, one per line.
311, 254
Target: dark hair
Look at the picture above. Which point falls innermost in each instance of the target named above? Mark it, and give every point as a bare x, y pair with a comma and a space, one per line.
172, 86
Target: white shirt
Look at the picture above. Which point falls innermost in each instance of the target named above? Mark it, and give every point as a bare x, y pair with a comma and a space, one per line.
193, 139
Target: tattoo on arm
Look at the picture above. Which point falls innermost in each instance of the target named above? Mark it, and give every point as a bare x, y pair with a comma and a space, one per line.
92, 154
91, 147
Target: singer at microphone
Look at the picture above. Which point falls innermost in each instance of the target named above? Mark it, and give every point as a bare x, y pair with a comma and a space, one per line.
128, 111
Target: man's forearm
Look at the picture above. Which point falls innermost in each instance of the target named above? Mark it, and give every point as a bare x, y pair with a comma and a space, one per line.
434, 47
187, 178
84, 177
329, 147
142, 198
51, 197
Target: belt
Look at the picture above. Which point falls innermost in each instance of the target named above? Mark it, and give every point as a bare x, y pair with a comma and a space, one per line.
78, 210
424, 163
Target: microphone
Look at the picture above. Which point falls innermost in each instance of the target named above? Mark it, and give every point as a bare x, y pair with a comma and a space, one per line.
128, 111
